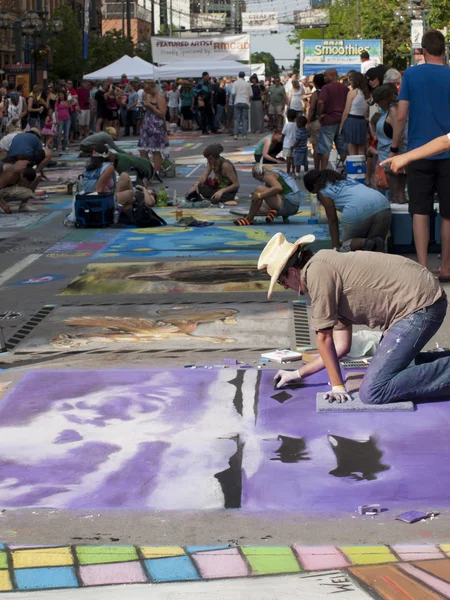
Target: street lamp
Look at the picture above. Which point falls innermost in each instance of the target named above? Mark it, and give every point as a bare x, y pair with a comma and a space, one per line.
33, 25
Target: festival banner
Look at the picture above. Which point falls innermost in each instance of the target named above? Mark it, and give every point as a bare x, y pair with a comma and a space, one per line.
307, 19
259, 21
221, 47
343, 55
214, 20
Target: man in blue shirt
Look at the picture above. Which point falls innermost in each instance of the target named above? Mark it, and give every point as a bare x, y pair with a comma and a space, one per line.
28, 146
425, 99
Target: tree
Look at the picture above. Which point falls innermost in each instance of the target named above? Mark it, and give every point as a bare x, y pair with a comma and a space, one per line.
66, 47
272, 69
107, 49
144, 51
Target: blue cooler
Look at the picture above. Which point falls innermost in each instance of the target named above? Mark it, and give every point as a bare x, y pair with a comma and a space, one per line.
355, 167
402, 232
94, 210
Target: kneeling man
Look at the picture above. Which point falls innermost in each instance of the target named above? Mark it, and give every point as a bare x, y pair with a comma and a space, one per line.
393, 293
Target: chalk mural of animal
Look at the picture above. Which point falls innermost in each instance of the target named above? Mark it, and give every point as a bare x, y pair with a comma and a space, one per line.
177, 326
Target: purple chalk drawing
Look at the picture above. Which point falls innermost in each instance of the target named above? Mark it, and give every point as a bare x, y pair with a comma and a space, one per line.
205, 439
398, 450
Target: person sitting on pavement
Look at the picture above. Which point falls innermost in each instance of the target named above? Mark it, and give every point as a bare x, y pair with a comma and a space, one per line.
366, 213
269, 147
224, 184
18, 182
106, 138
28, 146
278, 197
388, 291
99, 176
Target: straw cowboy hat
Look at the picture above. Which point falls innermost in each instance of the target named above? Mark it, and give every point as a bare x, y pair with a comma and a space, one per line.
276, 254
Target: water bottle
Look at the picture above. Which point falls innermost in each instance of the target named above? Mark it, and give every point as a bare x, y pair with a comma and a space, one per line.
81, 184
161, 198
158, 198
166, 198
178, 213
314, 204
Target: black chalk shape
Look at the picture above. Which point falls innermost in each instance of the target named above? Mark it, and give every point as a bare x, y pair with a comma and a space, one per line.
238, 399
281, 397
292, 450
355, 459
231, 479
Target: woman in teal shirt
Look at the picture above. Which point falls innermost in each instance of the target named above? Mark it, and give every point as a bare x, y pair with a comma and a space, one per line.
366, 214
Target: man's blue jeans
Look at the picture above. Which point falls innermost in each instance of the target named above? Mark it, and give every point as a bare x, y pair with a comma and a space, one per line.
391, 377
241, 115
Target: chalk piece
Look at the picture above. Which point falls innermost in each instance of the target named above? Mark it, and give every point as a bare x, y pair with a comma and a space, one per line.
245, 367
412, 516
219, 366
369, 509
230, 361
356, 405
189, 366
264, 360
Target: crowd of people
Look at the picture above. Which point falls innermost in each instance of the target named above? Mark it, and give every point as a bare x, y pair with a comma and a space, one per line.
372, 113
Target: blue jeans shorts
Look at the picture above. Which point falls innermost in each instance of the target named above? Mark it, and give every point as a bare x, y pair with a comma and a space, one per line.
288, 208
301, 159
329, 134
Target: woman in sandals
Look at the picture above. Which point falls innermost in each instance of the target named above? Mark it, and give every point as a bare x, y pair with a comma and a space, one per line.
278, 197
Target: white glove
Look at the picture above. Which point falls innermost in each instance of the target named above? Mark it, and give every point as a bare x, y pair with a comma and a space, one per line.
338, 394
284, 377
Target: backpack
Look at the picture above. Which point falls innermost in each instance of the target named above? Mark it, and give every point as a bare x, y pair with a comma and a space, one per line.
142, 216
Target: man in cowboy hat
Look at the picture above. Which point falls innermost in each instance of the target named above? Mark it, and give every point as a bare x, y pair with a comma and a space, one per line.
364, 288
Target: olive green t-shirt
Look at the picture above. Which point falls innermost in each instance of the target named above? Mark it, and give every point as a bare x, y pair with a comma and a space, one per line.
277, 95
366, 288
125, 162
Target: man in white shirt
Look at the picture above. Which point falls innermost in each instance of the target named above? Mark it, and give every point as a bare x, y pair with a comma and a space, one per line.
366, 62
241, 94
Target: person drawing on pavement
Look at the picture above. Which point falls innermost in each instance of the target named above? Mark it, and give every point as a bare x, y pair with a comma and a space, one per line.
224, 184
278, 197
364, 288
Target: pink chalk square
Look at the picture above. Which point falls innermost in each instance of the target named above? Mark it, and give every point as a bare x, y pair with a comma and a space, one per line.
418, 551
91, 246
221, 563
318, 558
129, 572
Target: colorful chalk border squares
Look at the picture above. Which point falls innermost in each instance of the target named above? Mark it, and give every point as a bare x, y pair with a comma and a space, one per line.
46, 578
58, 567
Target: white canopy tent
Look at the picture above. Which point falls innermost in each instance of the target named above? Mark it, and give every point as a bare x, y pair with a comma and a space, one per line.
216, 68
125, 65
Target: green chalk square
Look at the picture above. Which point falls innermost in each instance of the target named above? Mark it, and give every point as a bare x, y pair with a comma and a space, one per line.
271, 560
3, 560
95, 555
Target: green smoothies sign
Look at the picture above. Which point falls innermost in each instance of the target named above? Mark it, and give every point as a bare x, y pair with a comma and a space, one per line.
343, 55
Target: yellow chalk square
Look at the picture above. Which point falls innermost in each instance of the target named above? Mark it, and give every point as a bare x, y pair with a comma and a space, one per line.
42, 557
5, 582
368, 555
445, 548
162, 552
